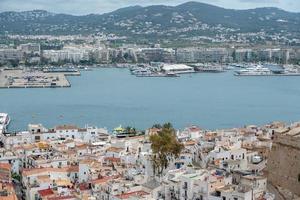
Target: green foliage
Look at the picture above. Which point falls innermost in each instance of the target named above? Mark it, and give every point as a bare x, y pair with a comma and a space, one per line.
130, 130
165, 148
16, 176
157, 126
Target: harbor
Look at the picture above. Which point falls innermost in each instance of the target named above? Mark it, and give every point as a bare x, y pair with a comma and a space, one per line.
56, 76
35, 78
112, 96
262, 70
247, 69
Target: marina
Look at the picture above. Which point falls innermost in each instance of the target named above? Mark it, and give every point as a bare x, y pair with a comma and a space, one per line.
247, 69
160, 70
260, 70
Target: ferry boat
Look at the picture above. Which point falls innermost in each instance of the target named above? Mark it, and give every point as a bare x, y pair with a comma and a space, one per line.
257, 70
4, 122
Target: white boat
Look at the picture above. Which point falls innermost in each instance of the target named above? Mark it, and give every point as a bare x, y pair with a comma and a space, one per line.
257, 70
142, 72
4, 122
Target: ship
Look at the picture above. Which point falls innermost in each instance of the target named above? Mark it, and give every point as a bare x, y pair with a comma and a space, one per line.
257, 70
4, 122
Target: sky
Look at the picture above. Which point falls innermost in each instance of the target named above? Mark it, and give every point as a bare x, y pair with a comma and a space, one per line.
82, 7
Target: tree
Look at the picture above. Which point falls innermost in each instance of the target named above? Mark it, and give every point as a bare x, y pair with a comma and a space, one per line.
157, 126
165, 147
130, 130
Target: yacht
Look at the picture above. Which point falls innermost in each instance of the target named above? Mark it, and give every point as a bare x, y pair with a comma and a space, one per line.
257, 70
142, 72
4, 122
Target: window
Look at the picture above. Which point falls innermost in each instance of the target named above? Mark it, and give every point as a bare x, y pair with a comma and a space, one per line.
37, 138
223, 198
298, 177
235, 198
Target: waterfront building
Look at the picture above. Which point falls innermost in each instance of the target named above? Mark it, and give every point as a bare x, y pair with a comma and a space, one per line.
31, 49
100, 55
10, 55
156, 55
68, 54
203, 55
242, 55
185, 56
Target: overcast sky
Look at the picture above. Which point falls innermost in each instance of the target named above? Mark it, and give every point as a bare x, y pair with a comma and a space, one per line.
81, 7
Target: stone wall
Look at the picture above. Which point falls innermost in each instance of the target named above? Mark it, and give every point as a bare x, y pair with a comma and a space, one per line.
284, 163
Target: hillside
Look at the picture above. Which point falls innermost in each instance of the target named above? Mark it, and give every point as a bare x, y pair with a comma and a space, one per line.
189, 18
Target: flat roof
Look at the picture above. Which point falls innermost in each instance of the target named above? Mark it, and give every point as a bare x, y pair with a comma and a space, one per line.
168, 67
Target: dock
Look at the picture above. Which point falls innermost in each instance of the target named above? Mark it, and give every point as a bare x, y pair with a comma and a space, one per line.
22, 78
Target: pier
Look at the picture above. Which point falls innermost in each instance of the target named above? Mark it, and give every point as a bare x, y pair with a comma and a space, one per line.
19, 78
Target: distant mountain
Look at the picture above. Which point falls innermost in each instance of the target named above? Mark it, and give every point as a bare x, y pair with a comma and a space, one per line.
188, 18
